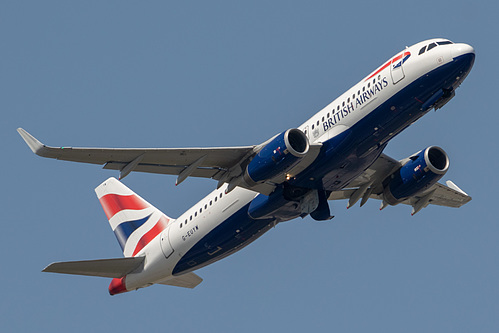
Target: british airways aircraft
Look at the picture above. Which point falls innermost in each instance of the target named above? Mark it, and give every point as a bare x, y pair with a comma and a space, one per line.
336, 154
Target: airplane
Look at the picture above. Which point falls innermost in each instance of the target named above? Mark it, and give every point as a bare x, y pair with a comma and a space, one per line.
336, 154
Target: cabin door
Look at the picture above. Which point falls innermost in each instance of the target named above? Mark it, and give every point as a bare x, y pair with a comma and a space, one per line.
396, 69
166, 246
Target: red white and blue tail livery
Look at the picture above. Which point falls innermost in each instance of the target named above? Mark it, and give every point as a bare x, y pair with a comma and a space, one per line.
134, 221
337, 154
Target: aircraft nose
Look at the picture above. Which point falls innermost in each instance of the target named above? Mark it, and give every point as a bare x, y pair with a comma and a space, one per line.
462, 49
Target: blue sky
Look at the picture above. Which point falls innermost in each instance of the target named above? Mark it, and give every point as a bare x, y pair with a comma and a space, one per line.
172, 74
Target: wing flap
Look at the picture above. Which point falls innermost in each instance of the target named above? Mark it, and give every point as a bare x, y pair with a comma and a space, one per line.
202, 172
110, 268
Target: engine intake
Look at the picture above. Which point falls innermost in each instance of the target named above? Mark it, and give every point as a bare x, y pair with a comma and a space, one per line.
422, 171
278, 156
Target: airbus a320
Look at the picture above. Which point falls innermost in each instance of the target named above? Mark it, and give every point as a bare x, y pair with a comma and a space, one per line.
336, 154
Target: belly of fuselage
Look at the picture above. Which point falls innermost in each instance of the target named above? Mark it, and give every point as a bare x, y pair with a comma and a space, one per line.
342, 159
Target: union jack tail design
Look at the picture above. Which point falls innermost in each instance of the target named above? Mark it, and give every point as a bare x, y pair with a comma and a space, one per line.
135, 222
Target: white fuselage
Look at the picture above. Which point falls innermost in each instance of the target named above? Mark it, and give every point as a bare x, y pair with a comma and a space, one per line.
165, 252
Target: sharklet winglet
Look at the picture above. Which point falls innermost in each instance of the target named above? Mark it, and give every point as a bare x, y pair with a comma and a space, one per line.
36, 146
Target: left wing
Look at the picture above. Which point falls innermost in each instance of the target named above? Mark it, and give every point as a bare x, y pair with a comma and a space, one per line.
196, 162
369, 185
224, 164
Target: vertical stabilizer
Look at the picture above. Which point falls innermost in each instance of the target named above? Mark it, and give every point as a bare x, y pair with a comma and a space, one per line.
134, 221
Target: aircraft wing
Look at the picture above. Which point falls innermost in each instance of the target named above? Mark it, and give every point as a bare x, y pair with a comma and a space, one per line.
369, 185
224, 164
196, 162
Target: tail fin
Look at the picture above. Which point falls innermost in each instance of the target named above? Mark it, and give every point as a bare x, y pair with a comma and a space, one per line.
135, 222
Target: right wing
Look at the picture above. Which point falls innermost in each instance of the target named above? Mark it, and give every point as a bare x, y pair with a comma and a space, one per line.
438, 194
369, 185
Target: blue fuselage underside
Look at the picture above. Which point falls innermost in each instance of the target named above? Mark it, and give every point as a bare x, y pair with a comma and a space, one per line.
342, 159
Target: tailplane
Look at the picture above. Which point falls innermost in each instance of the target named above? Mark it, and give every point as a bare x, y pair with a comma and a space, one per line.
134, 221
118, 269
112, 268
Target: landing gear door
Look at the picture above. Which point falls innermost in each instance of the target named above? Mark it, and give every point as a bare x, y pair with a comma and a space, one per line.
396, 68
166, 246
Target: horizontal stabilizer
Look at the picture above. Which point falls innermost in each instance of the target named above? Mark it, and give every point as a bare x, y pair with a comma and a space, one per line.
111, 268
189, 280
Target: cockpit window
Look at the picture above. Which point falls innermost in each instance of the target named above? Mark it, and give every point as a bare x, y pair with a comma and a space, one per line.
432, 45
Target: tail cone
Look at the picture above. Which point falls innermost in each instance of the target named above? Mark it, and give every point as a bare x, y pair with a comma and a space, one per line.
117, 286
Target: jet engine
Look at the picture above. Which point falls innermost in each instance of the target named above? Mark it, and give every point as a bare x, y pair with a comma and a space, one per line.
278, 156
422, 171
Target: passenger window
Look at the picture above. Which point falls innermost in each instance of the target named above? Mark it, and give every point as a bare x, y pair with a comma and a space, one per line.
423, 49
432, 45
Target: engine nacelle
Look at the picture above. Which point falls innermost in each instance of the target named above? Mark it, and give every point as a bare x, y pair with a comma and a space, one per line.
421, 172
278, 156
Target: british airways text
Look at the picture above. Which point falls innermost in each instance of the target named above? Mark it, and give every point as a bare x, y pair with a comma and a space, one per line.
355, 104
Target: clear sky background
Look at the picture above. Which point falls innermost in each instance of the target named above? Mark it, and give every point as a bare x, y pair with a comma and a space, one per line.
222, 73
